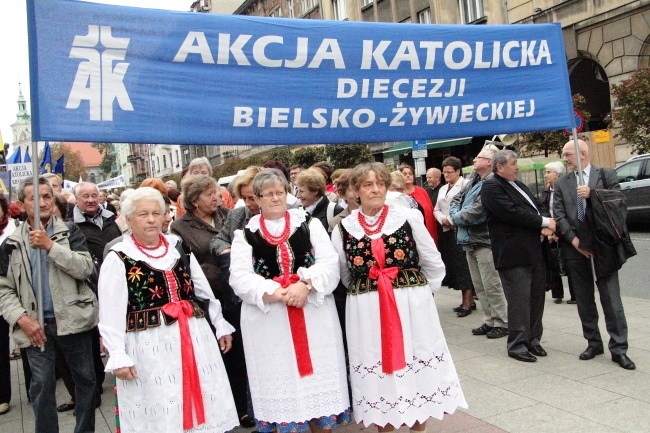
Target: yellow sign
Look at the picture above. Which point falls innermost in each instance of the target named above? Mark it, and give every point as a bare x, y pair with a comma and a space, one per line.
3, 188
602, 136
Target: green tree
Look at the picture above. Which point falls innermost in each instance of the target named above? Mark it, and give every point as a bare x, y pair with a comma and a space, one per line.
307, 156
348, 155
550, 143
73, 164
632, 116
108, 157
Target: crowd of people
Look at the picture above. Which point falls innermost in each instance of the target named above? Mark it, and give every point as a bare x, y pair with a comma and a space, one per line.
298, 299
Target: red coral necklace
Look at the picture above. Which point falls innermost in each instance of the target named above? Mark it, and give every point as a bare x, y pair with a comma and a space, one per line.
276, 240
374, 228
143, 248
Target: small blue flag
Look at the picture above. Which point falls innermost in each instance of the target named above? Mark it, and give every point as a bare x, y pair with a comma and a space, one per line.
58, 167
15, 157
46, 162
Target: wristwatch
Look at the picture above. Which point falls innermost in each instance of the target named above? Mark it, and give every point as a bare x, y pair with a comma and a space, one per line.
308, 284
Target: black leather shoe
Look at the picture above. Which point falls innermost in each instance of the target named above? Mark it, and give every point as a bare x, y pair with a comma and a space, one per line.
497, 332
537, 350
464, 312
523, 356
460, 307
482, 330
65, 407
624, 361
591, 352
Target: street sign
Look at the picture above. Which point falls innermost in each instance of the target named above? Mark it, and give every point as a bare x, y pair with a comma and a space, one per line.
419, 149
579, 122
420, 154
419, 144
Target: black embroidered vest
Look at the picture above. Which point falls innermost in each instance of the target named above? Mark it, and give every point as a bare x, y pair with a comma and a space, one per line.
150, 289
400, 250
266, 256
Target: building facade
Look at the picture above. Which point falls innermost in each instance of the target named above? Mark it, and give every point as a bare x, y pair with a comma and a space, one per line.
605, 41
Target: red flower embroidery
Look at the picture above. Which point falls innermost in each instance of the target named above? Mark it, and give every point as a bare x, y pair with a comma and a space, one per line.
187, 286
156, 292
399, 254
358, 261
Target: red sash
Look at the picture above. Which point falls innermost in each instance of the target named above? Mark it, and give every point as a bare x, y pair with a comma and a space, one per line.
392, 338
298, 326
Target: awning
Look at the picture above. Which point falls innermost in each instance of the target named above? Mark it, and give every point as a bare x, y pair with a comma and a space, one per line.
405, 147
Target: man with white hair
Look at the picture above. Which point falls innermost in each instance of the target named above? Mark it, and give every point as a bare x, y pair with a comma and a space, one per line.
469, 216
433, 185
580, 244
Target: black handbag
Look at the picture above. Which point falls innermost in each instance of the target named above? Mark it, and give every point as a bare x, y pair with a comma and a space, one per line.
610, 214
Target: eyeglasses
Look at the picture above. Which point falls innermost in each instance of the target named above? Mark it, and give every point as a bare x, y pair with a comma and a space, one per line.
567, 154
449, 172
270, 195
482, 157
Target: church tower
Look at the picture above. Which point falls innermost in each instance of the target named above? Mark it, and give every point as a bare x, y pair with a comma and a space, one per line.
22, 128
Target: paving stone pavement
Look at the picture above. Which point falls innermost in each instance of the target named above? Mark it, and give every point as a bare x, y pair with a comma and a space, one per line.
558, 393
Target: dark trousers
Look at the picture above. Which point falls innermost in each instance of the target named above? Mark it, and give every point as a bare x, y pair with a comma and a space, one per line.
579, 271
524, 288
235, 363
77, 349
5, 367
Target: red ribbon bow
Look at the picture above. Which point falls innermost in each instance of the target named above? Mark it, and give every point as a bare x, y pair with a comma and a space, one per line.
181, 310
392, 338
286, 280
298, 328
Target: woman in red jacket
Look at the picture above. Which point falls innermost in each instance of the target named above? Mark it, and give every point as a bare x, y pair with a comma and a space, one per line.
420, 195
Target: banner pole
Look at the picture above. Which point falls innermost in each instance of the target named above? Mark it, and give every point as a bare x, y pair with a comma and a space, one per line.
37, 225
576, 146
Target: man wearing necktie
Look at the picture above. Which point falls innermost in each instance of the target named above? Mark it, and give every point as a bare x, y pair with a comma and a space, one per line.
579, 244
516, 230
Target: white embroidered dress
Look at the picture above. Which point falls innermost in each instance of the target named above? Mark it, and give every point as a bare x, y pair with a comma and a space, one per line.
154, 401
428, 386
278, 392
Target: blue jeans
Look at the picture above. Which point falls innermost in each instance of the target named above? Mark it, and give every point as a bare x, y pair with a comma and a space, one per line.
77, 350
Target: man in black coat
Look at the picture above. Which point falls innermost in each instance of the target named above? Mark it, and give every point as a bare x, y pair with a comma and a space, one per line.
516, 227
573, 211
99, 227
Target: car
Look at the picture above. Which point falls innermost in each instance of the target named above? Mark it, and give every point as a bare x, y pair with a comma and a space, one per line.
634, 177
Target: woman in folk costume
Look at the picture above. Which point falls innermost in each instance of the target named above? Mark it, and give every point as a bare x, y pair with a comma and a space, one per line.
170, 376
400, 367
284, 268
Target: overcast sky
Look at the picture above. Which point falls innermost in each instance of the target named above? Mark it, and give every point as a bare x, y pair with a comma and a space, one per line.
14, 65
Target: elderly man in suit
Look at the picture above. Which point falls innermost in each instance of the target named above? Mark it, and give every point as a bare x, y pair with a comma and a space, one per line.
572, 210
516, 227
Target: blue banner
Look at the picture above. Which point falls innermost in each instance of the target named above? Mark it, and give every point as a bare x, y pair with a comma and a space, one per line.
118, 74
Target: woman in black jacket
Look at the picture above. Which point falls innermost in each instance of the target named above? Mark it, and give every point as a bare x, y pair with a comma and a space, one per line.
311, 193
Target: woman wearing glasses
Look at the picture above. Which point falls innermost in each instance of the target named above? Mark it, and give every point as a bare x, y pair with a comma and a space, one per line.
284, 269
458, 276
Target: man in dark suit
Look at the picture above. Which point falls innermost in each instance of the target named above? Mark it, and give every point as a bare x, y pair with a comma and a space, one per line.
516, 227
433, 185
572, 209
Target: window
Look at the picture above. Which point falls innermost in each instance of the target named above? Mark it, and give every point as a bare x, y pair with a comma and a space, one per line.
277, 13
290, 8
340, 10
368, 2
164, 161
470, 10
424, 16
628, 172
178, 159
308, 5
407, 21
